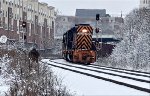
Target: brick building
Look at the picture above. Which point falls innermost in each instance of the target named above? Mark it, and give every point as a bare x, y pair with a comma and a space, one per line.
39, 19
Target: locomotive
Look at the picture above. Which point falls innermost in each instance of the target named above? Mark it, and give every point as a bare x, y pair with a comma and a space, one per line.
77, 45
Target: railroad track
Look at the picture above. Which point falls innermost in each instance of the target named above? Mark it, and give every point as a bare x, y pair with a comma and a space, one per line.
130, 72
108, 74
146, 74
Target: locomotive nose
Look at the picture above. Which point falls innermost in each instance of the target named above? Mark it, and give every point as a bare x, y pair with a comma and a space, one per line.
84, 57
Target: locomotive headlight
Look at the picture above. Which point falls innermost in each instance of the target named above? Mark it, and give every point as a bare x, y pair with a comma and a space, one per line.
84, 30
91, 51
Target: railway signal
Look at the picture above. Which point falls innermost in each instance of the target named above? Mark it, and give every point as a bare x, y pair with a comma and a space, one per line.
97, 30
24, 24
97, 17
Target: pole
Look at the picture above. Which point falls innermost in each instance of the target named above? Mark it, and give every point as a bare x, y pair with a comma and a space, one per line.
34, 19
101, 42
8, 29
19, 22
23, 21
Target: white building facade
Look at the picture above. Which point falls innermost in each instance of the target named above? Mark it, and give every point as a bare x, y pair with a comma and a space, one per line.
145, 4
39, 18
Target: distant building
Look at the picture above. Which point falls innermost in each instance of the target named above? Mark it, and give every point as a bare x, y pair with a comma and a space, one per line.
63, 23
110, 26
145, 4
90, 13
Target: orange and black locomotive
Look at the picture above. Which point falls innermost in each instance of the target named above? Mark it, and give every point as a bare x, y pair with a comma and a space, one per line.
78, 46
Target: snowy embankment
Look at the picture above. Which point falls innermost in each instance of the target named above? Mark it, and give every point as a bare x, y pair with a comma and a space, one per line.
29, 82
85, 85
4, 85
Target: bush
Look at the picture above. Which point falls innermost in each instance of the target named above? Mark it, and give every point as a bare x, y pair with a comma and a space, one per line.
32, 79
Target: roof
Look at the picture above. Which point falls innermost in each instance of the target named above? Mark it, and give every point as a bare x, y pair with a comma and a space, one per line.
105, 40
90, 13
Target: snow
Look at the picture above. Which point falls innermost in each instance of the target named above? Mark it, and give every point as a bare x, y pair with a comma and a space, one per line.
128, 81
108, 71
83, 85
3, 86
134, 50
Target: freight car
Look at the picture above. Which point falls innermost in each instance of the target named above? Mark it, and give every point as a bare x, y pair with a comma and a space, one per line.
77, 45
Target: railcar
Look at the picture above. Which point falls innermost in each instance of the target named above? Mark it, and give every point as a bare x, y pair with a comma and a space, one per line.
77, 45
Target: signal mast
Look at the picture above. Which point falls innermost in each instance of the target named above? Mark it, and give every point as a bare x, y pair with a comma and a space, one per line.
97, 30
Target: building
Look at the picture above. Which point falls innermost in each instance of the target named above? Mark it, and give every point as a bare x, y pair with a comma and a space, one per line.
63, 23
39, 19
109, 26
90, 13
145, 4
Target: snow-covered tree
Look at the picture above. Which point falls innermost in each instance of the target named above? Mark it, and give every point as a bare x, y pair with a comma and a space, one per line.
134, 50
28, 78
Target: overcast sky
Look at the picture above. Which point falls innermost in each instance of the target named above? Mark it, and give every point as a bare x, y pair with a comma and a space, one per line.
68, 7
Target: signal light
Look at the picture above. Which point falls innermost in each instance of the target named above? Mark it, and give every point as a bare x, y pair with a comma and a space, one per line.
97, 16
25, 37
97, 30
24, 24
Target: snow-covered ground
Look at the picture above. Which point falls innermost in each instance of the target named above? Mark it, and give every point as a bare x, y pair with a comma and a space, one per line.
84, 85
4, 82
3, 86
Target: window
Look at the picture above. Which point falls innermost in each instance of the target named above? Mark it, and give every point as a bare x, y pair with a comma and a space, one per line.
29, 15
12, 23
3, 13
29, 29
41, 31
6, 13
144, 1
15, 16
17, 29
1, 22
20, 2
41, 11
6, 26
